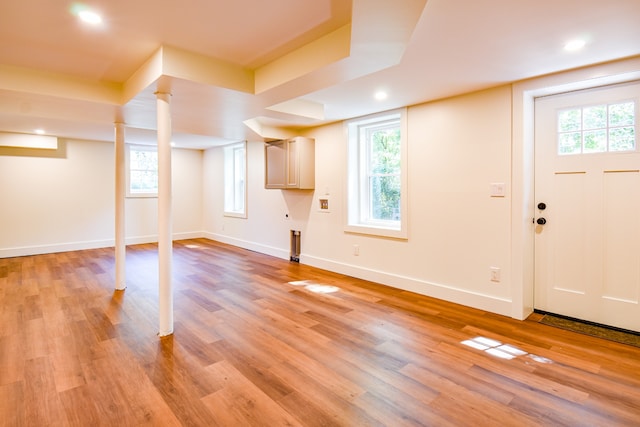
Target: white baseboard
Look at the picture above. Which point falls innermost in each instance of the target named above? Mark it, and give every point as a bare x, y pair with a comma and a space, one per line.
448, 293
54, 248
88, 244
468, 298
245, 244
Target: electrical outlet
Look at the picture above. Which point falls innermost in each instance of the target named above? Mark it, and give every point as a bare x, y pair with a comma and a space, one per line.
494, 274
356, 250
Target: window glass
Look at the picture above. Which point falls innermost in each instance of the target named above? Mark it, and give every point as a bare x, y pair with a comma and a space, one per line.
384, 173
142, 170
622, 114
594, 117
235, 171
622, 139
569, 120
597, 129
377, 175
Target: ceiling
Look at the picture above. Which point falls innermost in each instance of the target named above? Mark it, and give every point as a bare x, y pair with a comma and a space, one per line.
256, 69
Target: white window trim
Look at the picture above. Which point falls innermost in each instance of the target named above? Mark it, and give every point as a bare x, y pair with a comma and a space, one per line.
352, 193
130, 194
229, 173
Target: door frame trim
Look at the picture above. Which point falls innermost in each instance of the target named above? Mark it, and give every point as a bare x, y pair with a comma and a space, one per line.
523, 95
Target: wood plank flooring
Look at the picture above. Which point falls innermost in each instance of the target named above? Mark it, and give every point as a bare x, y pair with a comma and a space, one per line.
263, 342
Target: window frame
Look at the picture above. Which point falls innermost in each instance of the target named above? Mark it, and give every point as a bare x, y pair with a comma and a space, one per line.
234, 178
129, 192
357, 218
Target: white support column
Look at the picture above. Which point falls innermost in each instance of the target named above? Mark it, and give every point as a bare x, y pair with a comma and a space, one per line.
165, 238
121, 247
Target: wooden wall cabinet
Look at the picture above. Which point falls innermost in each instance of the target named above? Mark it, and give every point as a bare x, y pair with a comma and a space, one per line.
290, 164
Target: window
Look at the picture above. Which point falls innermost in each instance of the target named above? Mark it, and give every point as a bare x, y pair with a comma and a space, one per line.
597, 129
235, 176
142, 173
376, 193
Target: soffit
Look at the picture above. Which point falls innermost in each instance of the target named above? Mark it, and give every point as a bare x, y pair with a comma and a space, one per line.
239, 69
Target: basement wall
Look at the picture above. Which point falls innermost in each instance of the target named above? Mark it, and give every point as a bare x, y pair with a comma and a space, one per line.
64, 200
457, 231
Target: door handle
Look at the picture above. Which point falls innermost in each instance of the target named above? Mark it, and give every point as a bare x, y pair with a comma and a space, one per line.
541, 221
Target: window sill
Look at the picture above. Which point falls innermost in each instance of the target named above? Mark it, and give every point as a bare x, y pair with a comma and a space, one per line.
235, 214
392, 233
142, 195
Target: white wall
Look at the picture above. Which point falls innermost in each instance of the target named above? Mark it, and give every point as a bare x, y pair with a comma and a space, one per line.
266, 229
457, 147
66, 201
142, 212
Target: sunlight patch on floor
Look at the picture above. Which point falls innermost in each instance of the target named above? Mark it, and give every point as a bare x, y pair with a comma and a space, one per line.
500, 350
315, 287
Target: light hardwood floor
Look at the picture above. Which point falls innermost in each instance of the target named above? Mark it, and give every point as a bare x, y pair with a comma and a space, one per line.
253, 349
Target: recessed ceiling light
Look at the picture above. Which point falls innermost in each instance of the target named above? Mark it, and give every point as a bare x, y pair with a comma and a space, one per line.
90, 17
574, 45
380, 95
39, 131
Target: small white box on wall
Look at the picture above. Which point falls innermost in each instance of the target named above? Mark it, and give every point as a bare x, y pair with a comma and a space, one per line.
323, 204
497, 189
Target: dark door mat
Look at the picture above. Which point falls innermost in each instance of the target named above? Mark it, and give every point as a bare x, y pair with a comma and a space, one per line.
595, 330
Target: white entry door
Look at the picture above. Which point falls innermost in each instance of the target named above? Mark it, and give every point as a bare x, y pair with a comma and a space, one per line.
587, 191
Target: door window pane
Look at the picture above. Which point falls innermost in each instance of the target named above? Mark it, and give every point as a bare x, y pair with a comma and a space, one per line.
595, 141
569, 120
622, 114
594, 117
622, 139
597, 129
570, 143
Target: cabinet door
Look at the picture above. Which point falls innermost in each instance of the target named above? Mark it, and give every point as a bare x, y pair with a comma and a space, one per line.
293, 172
302, 163
276, 164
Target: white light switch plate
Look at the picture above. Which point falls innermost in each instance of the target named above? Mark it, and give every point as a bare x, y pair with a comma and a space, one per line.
498, 189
